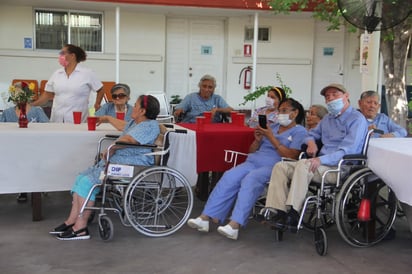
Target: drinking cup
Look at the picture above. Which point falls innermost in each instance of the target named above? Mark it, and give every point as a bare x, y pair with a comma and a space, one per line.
208, 117
240, 119
77, 117
200, 122
120, 115
233, 115
91, 122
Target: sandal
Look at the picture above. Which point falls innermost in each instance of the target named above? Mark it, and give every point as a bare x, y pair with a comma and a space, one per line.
71, 235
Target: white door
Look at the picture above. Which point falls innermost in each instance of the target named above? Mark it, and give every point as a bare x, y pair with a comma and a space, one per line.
328, 64
195, 47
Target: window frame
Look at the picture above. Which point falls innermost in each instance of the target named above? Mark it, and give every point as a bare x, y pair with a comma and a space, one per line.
260, 28
68, 29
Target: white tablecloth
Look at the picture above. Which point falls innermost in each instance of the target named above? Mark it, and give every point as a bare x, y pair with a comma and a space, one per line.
48, 156
391, 160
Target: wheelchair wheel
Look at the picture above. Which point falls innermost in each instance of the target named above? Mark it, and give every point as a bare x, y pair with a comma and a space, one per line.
321, 241
106, 230
158, 201
383, 208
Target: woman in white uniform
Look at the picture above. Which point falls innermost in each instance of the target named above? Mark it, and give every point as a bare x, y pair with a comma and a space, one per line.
70, 86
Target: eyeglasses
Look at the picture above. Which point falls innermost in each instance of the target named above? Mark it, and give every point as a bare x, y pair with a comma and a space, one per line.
120, 96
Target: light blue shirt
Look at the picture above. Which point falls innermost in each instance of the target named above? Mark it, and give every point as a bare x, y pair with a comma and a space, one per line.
193, 105
35, 115
268, 155
341, 135
387, 125
109, 109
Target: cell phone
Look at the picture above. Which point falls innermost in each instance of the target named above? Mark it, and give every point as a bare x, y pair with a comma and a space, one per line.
262, 121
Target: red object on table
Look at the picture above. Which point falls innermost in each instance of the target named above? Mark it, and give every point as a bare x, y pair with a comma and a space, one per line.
212, 141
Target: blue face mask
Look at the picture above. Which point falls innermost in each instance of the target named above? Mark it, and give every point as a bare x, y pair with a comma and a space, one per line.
335, 106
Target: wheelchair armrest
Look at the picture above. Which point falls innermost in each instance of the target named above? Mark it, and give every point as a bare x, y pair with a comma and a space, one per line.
354, 157
136, 145
169, 125
113, 136
180, 131
286, 159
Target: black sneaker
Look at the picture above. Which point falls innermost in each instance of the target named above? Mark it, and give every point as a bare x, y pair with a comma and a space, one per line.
60, 229
22, 197
292, 220
71, 235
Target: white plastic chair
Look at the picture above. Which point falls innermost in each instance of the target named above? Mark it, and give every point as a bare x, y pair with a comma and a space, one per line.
164, 116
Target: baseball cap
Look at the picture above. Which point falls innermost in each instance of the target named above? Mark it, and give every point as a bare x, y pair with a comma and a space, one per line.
336, 86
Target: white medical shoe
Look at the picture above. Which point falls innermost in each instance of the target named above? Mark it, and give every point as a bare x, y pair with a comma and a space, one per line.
199, 224
228, 232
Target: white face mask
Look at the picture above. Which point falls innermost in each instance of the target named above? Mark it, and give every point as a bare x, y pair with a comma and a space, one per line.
284, 120
269, 102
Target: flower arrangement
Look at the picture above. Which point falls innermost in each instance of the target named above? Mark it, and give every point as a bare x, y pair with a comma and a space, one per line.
21, 92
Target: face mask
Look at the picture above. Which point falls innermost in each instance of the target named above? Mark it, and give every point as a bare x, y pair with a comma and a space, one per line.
335, 106
284, 120
62, 61
370, 120
269, 102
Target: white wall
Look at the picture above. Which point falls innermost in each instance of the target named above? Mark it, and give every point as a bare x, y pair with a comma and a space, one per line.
288, 53
142, 47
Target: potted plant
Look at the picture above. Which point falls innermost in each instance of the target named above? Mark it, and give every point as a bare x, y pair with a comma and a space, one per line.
262, 90
175, 99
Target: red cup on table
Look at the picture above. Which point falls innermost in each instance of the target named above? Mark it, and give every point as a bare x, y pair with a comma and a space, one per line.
77, 117
208, 117
240, 119
91, 122
233, 116
120, 115
200, 122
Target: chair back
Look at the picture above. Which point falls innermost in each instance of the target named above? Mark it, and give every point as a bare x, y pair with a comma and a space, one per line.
164, 114
107, 86
29, 81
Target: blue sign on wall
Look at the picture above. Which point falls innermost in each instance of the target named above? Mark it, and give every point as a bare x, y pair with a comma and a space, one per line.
28, 43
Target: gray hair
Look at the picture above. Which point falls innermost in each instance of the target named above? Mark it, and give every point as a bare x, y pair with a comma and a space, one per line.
369, 93
125, 87
320, 110
207, 77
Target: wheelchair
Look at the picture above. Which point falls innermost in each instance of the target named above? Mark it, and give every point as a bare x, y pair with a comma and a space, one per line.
154, 200
360, 203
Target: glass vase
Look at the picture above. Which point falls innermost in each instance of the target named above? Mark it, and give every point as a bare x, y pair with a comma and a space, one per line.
23, 121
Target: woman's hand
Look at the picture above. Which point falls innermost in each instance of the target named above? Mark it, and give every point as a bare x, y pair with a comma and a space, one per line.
267, 132
312, 149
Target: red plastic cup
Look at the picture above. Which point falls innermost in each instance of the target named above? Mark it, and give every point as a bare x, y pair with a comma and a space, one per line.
200, 122
240, 119
77, 117
233, 116
120, 115
91, 122
208, 117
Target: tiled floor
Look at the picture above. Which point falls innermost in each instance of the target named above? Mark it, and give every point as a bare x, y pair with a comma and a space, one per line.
26, 247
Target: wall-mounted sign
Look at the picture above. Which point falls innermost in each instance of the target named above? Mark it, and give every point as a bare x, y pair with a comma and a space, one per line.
28, 43
206, 50
328, 51
247, 50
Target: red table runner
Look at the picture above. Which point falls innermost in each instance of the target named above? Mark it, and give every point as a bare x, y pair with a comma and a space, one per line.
213, 139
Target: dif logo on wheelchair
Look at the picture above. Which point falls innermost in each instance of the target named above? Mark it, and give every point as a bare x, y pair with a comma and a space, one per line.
120, 170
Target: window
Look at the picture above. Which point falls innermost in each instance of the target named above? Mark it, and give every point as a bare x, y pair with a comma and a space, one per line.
263, 34
54, 29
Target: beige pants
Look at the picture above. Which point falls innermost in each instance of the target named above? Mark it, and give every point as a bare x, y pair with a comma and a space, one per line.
282, 194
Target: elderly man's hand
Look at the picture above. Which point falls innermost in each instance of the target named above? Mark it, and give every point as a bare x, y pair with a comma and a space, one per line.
314, 164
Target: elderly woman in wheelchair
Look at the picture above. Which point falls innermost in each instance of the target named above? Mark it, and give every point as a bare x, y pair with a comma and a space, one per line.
142, 129
240, 187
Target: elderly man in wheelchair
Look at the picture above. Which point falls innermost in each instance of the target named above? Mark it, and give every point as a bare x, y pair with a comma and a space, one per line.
341, 132
142, 129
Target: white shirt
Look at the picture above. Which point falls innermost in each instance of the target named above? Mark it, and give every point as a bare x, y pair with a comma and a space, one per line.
71, 93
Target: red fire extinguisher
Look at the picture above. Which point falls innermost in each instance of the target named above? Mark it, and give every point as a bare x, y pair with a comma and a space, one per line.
247, 77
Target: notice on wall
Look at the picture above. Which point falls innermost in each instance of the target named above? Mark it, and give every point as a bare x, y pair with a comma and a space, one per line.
28, 43
364, 53
206, 50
